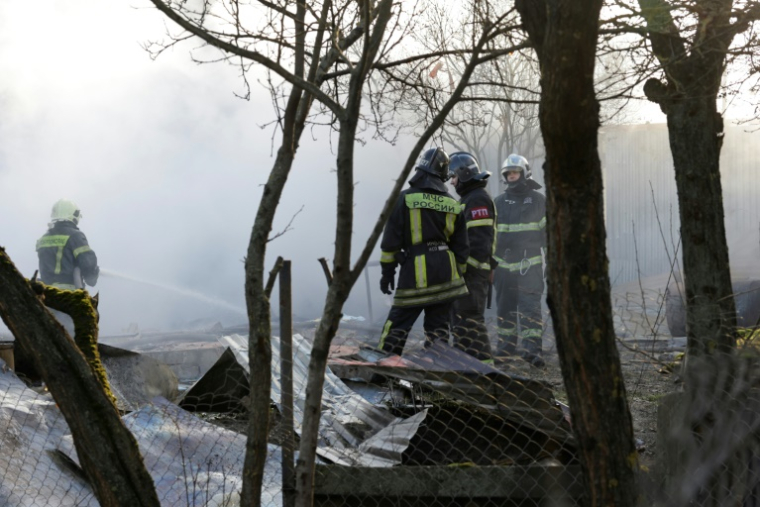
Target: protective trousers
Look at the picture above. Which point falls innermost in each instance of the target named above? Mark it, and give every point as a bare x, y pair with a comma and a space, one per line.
400, 322
518, 310
469, 325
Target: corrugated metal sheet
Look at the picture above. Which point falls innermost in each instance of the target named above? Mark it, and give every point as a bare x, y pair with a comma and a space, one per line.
341, 409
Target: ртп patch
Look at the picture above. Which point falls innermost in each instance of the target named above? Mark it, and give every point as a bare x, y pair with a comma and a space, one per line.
480, 213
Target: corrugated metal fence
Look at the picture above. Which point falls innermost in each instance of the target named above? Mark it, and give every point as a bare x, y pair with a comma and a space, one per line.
642, 206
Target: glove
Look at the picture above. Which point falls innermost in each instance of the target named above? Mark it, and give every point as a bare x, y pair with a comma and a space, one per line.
387, 284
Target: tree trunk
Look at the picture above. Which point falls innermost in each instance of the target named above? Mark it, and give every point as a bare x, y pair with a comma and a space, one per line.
695, 129
259, 317
83, 311
693, 66
312, 412
564, 33
338, 293
107, 451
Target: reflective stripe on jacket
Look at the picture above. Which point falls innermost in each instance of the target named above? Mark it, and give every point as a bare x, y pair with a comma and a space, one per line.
62, 249
480, 215
427, 235
520, 229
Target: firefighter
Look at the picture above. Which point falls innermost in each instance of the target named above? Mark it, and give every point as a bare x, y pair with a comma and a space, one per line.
519, 280
65, 258
426, 235
470, 332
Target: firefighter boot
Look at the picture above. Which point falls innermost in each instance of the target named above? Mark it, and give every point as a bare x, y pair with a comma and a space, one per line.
507, 347
532, 352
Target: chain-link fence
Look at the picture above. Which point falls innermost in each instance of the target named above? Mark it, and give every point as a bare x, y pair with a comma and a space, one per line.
434, 426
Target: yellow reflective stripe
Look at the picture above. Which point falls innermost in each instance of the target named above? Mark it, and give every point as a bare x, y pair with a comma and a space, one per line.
495, 231
58, 241
81, 250
450, 223
506, 331
462, 268
402, 293
487, 361
530, 226
415, 220
457, 291
532, 333
58, 259
479, 265
420, 271
480, 223
453, 264
388, 256
516, 266
433, 202
386, 330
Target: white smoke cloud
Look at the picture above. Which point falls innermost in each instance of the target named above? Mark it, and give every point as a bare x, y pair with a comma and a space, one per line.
165, 163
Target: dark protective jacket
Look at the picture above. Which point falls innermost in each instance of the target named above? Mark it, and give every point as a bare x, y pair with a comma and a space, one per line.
62, 249
426, 234
480, 215
521, 227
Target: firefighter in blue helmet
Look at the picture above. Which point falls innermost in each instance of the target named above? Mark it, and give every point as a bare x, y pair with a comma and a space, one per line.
66, 260
519, 280
426, 235
469, 327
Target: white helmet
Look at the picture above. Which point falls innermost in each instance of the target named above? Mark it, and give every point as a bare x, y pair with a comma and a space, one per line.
516, 162
65, 211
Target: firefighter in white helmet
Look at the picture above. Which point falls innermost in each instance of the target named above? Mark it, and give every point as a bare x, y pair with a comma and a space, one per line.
519, 279
66, 259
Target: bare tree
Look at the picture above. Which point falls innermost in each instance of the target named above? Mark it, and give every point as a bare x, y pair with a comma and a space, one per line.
691, 40
341, 44
564, 35
505, 118
688, 48
684, 49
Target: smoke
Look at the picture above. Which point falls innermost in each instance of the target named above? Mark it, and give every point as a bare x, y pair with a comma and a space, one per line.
166, 164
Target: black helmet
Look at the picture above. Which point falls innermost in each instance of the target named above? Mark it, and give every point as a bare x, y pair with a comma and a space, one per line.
434, 161
465, 167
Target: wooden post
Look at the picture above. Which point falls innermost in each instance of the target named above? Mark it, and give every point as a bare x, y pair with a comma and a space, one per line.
286, 380
369, 295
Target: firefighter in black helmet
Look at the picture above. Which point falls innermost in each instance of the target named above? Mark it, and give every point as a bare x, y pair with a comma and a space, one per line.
469, 327
519, 280
426, 235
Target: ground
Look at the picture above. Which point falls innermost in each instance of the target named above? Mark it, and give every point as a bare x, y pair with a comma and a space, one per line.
645, 387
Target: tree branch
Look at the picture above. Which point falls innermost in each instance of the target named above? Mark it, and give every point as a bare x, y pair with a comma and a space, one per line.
250, 55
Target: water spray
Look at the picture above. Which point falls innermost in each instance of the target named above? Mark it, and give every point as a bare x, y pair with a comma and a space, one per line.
178, 290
